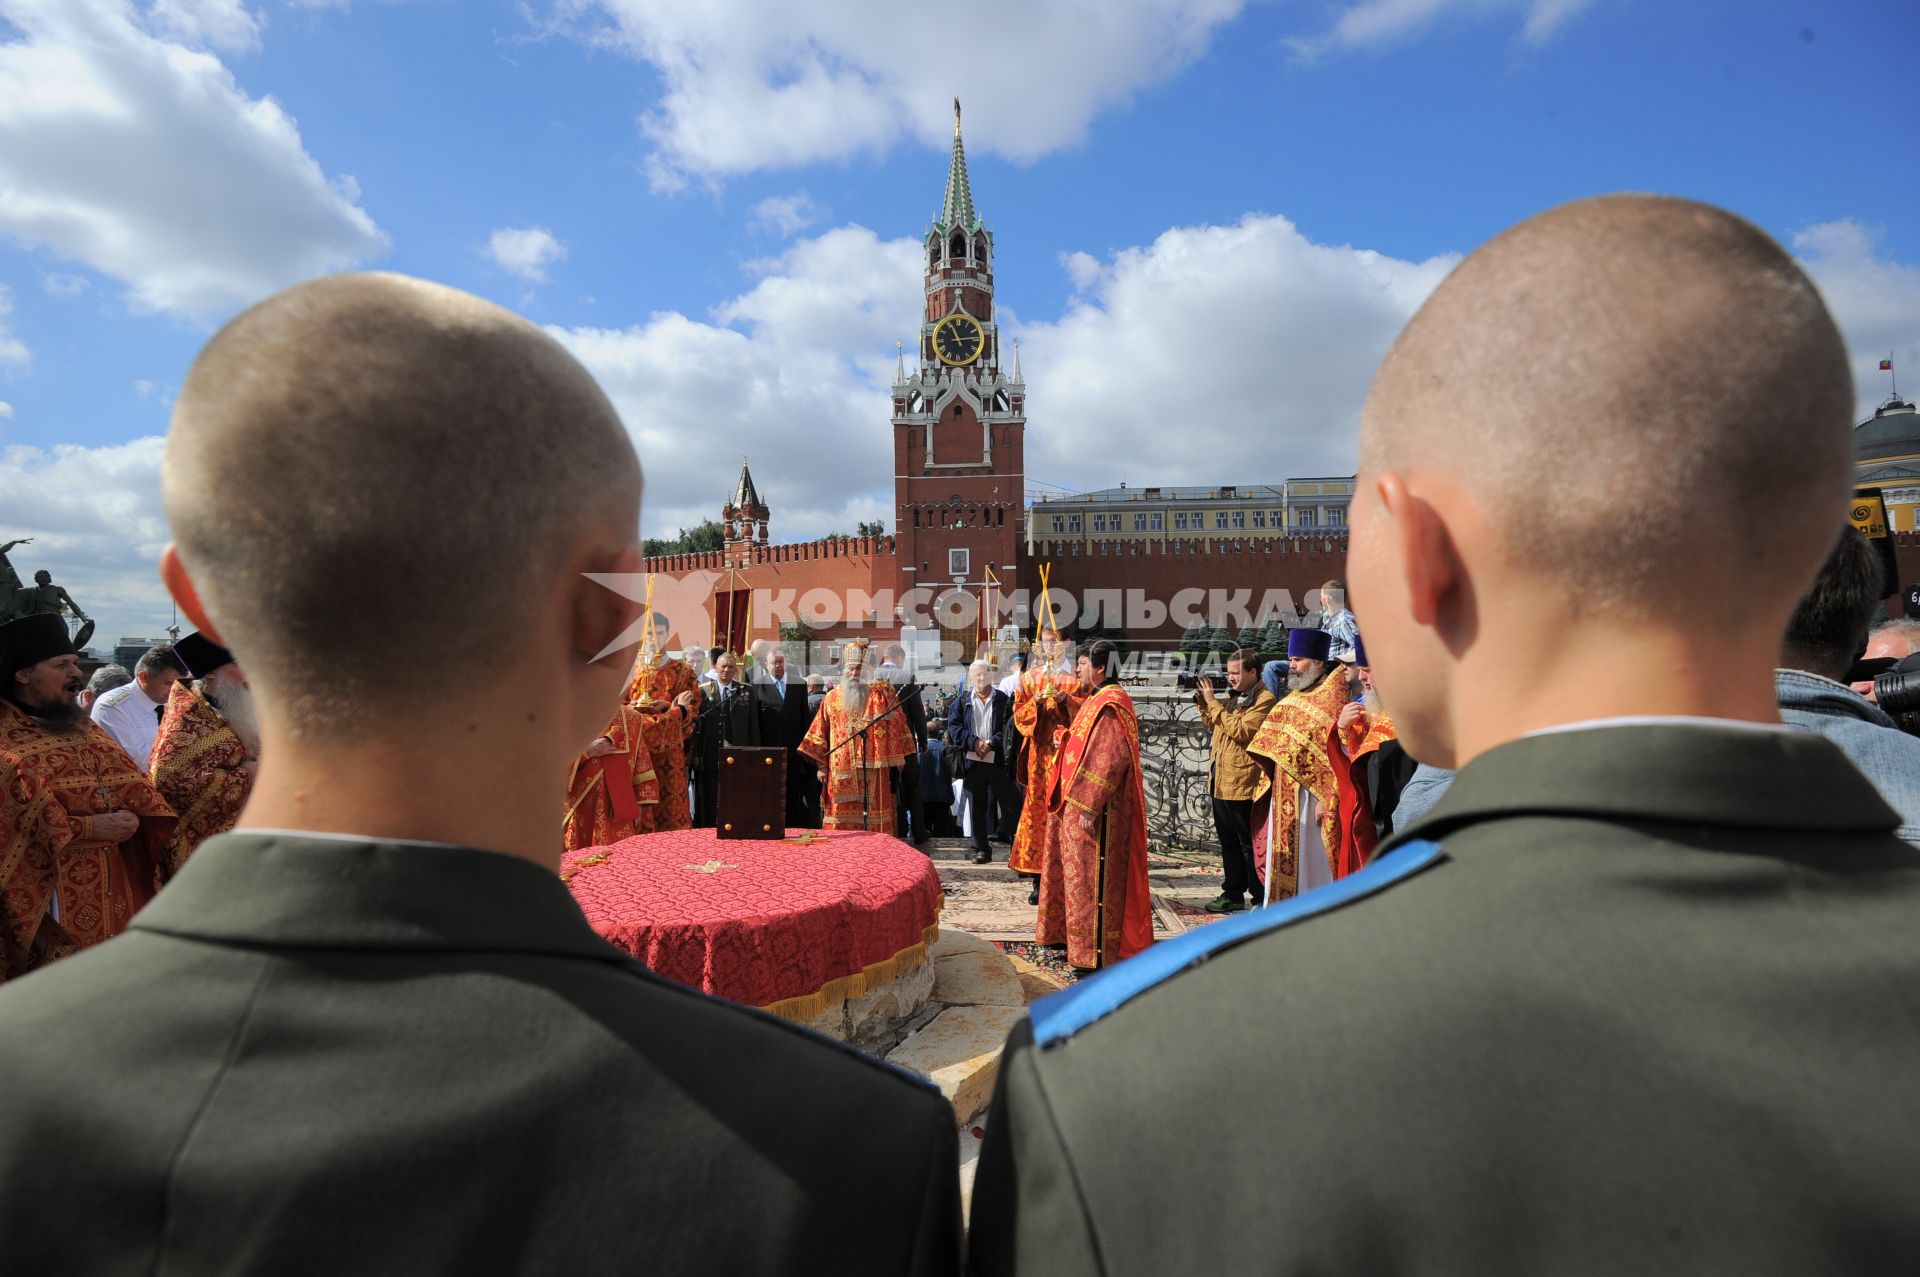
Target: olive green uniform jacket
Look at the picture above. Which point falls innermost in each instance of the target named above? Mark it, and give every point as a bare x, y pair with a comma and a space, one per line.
320, 1055
1630, 999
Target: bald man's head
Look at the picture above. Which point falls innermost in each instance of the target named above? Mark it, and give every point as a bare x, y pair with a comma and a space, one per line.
368, 471
1646, 397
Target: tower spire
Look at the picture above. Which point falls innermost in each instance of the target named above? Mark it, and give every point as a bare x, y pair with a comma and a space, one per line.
957, 209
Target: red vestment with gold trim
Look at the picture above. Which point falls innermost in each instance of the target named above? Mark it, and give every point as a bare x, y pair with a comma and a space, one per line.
664, 728
605, 795
99, 885
1292, 747
1098, 901
1043, 710
33, 829
858, 792
199, 767
1351, 749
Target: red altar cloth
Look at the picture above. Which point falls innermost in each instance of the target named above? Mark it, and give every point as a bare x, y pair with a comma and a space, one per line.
771, 924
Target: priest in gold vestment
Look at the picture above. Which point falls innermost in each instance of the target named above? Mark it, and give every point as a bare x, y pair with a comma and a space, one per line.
1298, 841
105, 827
208, 749
857, 739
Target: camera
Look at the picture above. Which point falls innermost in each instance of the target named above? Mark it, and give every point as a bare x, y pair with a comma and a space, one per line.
1897, 691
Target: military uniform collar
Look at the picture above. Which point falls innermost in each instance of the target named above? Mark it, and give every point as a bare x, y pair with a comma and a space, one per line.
1698, 772
341, 891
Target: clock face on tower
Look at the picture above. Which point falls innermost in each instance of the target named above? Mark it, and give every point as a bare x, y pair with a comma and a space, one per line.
958, 339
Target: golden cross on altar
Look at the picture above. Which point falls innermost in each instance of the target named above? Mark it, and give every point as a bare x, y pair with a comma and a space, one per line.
711, 867
806, 839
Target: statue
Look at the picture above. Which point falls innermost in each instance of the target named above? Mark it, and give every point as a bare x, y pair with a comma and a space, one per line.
9, 579
45, 596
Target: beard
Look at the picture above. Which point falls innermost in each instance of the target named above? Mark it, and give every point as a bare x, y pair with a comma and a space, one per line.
1302, 682
62, 716
1371, 699
234, 701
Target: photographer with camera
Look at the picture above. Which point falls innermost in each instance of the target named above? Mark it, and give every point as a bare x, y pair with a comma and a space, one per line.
1827, 629
1232, 776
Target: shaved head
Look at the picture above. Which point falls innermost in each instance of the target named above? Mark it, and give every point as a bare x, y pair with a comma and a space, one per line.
366, 471
1646, 394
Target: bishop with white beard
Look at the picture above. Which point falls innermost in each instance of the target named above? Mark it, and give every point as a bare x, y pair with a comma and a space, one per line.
208, 750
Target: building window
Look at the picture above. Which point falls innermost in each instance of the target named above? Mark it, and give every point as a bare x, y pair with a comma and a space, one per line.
1059, 524
1279, 518
1156, 523
1073, 523
1333, 518
1259, 518
1139, 523
1099, 523
1180, 521
959, 562
1239, 520
1220, 519
1305, 516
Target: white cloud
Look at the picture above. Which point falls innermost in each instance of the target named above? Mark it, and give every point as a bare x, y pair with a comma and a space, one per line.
6, 411
13, 351
794, 373
756, 84
1374, 23
97, 524
785, 215
1873, 297
526, 251
1250, 344
145, 160
65, 285
226, 25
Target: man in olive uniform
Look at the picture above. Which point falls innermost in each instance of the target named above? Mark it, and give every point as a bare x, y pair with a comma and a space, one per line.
1638, 993
370, 1031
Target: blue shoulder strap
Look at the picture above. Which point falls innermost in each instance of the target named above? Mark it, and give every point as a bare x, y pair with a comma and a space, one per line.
1060, 1016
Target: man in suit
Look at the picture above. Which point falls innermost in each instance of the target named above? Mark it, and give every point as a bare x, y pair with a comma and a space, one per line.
734, 714
787, 710
370, 1030
1638, 992
906, 777
977, 727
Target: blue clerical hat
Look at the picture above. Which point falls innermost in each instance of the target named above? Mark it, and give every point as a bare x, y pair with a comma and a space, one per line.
1314, 645
1359, 652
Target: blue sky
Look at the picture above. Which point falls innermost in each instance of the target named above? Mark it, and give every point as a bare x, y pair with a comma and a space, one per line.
1211, 216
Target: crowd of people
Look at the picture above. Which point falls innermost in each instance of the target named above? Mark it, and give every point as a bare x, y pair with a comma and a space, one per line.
1635, 993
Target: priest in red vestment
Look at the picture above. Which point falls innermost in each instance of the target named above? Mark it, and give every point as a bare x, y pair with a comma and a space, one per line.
208, 749
858, 737
1298, 843
610, 785
1044, 705
1099, 897
1363, 727
666, 692
116, 823
33, 829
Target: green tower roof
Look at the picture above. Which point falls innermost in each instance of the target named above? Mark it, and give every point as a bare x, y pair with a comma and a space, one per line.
957, 209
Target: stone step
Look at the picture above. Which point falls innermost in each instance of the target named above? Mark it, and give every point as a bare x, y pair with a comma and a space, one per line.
982, 998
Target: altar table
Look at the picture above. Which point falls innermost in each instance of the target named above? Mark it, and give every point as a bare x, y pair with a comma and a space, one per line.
773, 924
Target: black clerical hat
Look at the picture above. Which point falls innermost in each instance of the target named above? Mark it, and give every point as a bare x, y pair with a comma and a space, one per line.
29, 640
201, 655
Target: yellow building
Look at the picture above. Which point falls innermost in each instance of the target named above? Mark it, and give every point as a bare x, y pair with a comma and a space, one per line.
1294, 507
1886, 453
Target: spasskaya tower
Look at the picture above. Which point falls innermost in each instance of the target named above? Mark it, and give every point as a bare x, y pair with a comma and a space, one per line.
959, 418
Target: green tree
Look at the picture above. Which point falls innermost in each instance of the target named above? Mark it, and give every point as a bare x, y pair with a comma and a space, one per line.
873, 529
706, 536
1194, 639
